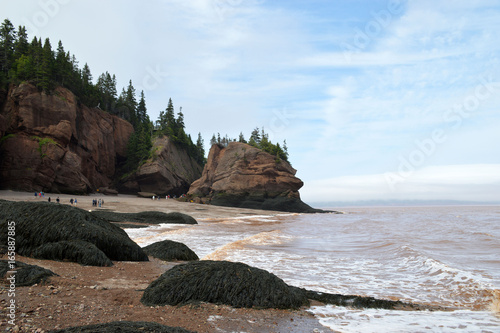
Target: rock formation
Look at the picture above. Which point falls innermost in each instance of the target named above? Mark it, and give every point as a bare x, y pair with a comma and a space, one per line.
25, 275
240, 175
169, 250
54, 143
50, 229
169, 172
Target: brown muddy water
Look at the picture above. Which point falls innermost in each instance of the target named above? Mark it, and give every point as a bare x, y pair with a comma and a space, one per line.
436, 255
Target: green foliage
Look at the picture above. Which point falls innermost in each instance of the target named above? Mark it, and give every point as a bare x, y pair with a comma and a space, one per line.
5, 137
38, 64
42, 142
258, 139
167, 124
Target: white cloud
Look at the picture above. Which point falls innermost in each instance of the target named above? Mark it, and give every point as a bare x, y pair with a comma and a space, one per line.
450, 182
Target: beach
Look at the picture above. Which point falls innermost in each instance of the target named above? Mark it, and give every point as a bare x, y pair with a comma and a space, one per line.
82, 295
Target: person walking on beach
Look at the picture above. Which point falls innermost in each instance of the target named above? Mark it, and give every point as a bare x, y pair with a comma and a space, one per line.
57, 200
71, 201
75, 201
49, 199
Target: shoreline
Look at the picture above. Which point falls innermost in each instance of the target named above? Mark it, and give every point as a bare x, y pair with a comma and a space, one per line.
127, 203
83, 295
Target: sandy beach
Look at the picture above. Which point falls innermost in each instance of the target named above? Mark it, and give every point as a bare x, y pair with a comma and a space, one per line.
83, 295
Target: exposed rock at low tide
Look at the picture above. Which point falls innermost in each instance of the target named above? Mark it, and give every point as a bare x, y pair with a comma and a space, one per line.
240, 175
170, 251
222, 282
123, 327
25, 275
38, 224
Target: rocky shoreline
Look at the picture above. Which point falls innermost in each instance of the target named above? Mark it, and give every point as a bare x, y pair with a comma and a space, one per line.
197, 294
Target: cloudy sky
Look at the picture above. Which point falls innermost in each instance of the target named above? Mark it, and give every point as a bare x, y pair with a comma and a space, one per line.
376, 99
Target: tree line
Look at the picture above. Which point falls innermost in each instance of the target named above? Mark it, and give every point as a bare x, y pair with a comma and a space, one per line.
259, 139
39, 64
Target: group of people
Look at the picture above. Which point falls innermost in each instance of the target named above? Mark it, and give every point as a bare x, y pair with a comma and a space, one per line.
73, 201
157, 197
97, 203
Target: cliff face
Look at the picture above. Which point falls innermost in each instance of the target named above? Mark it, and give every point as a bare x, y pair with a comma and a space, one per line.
244, 176
170, 171
51, 143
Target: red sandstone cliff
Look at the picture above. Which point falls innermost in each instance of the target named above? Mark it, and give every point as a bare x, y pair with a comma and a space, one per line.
170, 171
240, 175
53, 143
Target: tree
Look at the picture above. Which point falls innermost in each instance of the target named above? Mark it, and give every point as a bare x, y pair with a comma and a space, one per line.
45, 68
7, 43
142, 114
200, 149
242, 138
213, 140
21, 45
255, 138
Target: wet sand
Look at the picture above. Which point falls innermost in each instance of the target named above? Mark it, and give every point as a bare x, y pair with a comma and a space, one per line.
83, 295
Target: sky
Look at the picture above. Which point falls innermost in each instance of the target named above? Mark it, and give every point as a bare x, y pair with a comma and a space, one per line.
377, 100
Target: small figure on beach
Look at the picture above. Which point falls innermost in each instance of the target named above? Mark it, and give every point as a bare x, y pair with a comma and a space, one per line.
57, 200
71, 201
48, 199
75, 201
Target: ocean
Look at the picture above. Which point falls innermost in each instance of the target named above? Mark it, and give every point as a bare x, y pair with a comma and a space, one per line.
436, 255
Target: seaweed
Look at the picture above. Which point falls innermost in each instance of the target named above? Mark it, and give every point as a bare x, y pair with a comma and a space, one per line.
79, 251
169, 250
123, 327
25, 275
222, 282
40, 223
150, 217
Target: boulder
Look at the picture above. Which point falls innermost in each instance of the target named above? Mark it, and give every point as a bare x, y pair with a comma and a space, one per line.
79, 251
57, 144
240, 285
169, 172
222, 282
123, 327
169, 251
41, 223
26, 275
149, 217
240, 175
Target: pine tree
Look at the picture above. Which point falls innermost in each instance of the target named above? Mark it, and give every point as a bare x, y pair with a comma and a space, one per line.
141, 109
255, 138
45, 68
242, 138
213, 140
7, 43
21, 45
200, 150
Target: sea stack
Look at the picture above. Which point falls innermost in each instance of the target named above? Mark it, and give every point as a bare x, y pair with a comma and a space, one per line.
240, 175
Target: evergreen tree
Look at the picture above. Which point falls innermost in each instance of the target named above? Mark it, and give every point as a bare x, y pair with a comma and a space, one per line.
200, 149
141, 109
242, 138
213, 140
22, 45
255, 138
45, 68
7, 46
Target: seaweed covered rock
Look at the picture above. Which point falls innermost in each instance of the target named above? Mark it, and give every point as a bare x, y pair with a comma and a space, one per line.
42, 223
25, 275
123, 327
169, 250
79, 251
222, 282
150, 217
